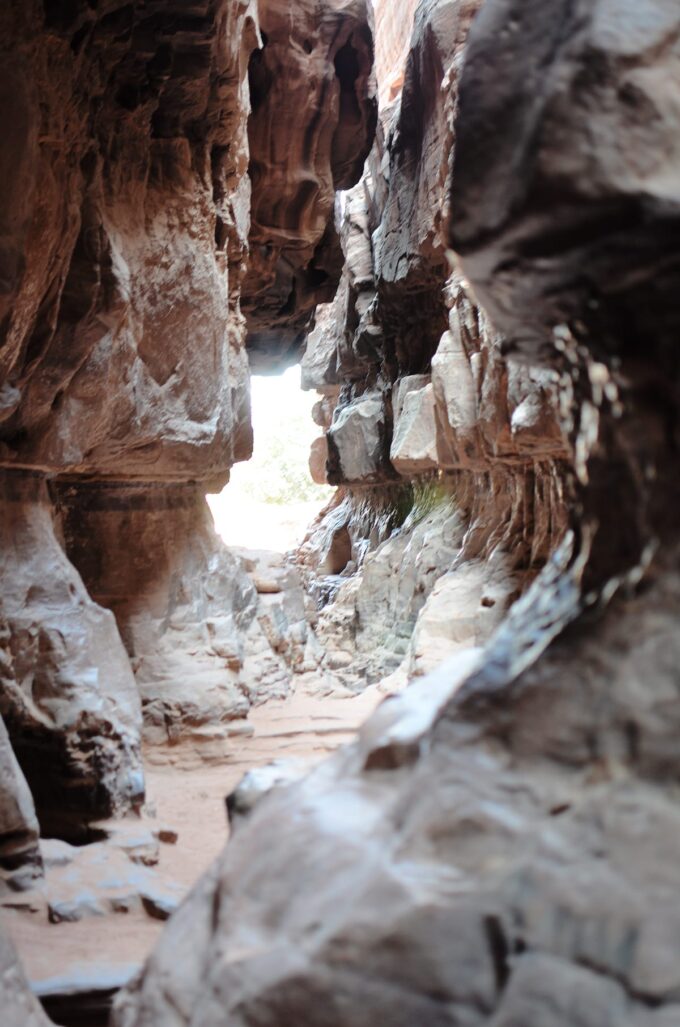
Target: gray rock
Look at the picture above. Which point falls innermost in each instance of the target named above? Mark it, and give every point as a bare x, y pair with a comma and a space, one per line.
20, 860
357, 441
20, 1008
258, 783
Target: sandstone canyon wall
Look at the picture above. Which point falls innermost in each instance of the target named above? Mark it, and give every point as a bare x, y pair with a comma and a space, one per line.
129, 174
500, 845
312, 124
425, 417
393, 27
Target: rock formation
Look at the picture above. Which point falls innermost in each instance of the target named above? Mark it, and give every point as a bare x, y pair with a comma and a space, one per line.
19, 831
498, 391
127, 172
416, 389
312, 124
500, 845
393, 28
123, 351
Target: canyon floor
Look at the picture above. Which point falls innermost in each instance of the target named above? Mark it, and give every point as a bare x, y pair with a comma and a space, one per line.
187, 785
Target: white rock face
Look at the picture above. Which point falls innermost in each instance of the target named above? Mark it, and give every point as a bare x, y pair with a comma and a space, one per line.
455, 394
462, 612
414, 444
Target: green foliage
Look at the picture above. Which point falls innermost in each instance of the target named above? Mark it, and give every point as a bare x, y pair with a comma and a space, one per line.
428, 493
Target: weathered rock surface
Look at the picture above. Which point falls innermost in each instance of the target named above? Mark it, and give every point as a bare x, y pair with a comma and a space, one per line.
500, 846
414, 373
181, 602
130, 113
115, 182
313, 119
19, 1007
124, 234
414, 442
571, 214
93, 880
393, 28
68, 695
357, 440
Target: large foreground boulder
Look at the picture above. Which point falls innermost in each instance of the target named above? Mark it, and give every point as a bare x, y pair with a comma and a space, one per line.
504, 856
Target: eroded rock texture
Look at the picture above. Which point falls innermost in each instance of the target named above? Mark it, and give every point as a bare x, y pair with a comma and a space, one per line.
500, 845
420, 407
313, 119
68, 696
122, 349
125, 215
18, 822
393, 27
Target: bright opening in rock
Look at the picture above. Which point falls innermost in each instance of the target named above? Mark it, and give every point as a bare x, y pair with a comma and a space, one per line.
271, 500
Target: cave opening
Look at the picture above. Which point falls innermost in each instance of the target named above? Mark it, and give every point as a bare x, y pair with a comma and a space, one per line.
271, 499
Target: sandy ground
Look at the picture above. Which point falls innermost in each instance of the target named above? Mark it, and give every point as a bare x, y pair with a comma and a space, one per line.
186, 788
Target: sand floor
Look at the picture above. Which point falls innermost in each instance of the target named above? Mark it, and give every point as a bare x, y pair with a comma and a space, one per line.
186, 789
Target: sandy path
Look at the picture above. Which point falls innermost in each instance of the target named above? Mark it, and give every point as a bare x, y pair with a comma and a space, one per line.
187, 785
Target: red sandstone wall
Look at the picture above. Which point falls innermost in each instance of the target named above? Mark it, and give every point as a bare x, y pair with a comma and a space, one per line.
394, 24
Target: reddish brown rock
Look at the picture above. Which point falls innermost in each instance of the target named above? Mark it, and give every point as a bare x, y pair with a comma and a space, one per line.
501, 843
312, 126
318, 459
122, 113
393, 28
68, 695
124, 225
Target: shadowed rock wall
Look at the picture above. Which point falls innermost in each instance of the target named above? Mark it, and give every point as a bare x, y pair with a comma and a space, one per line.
313, 119
500, 846
421, 404
125, 214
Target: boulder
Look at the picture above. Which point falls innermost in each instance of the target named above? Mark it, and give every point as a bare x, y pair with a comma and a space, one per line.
357, 441
414, 443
